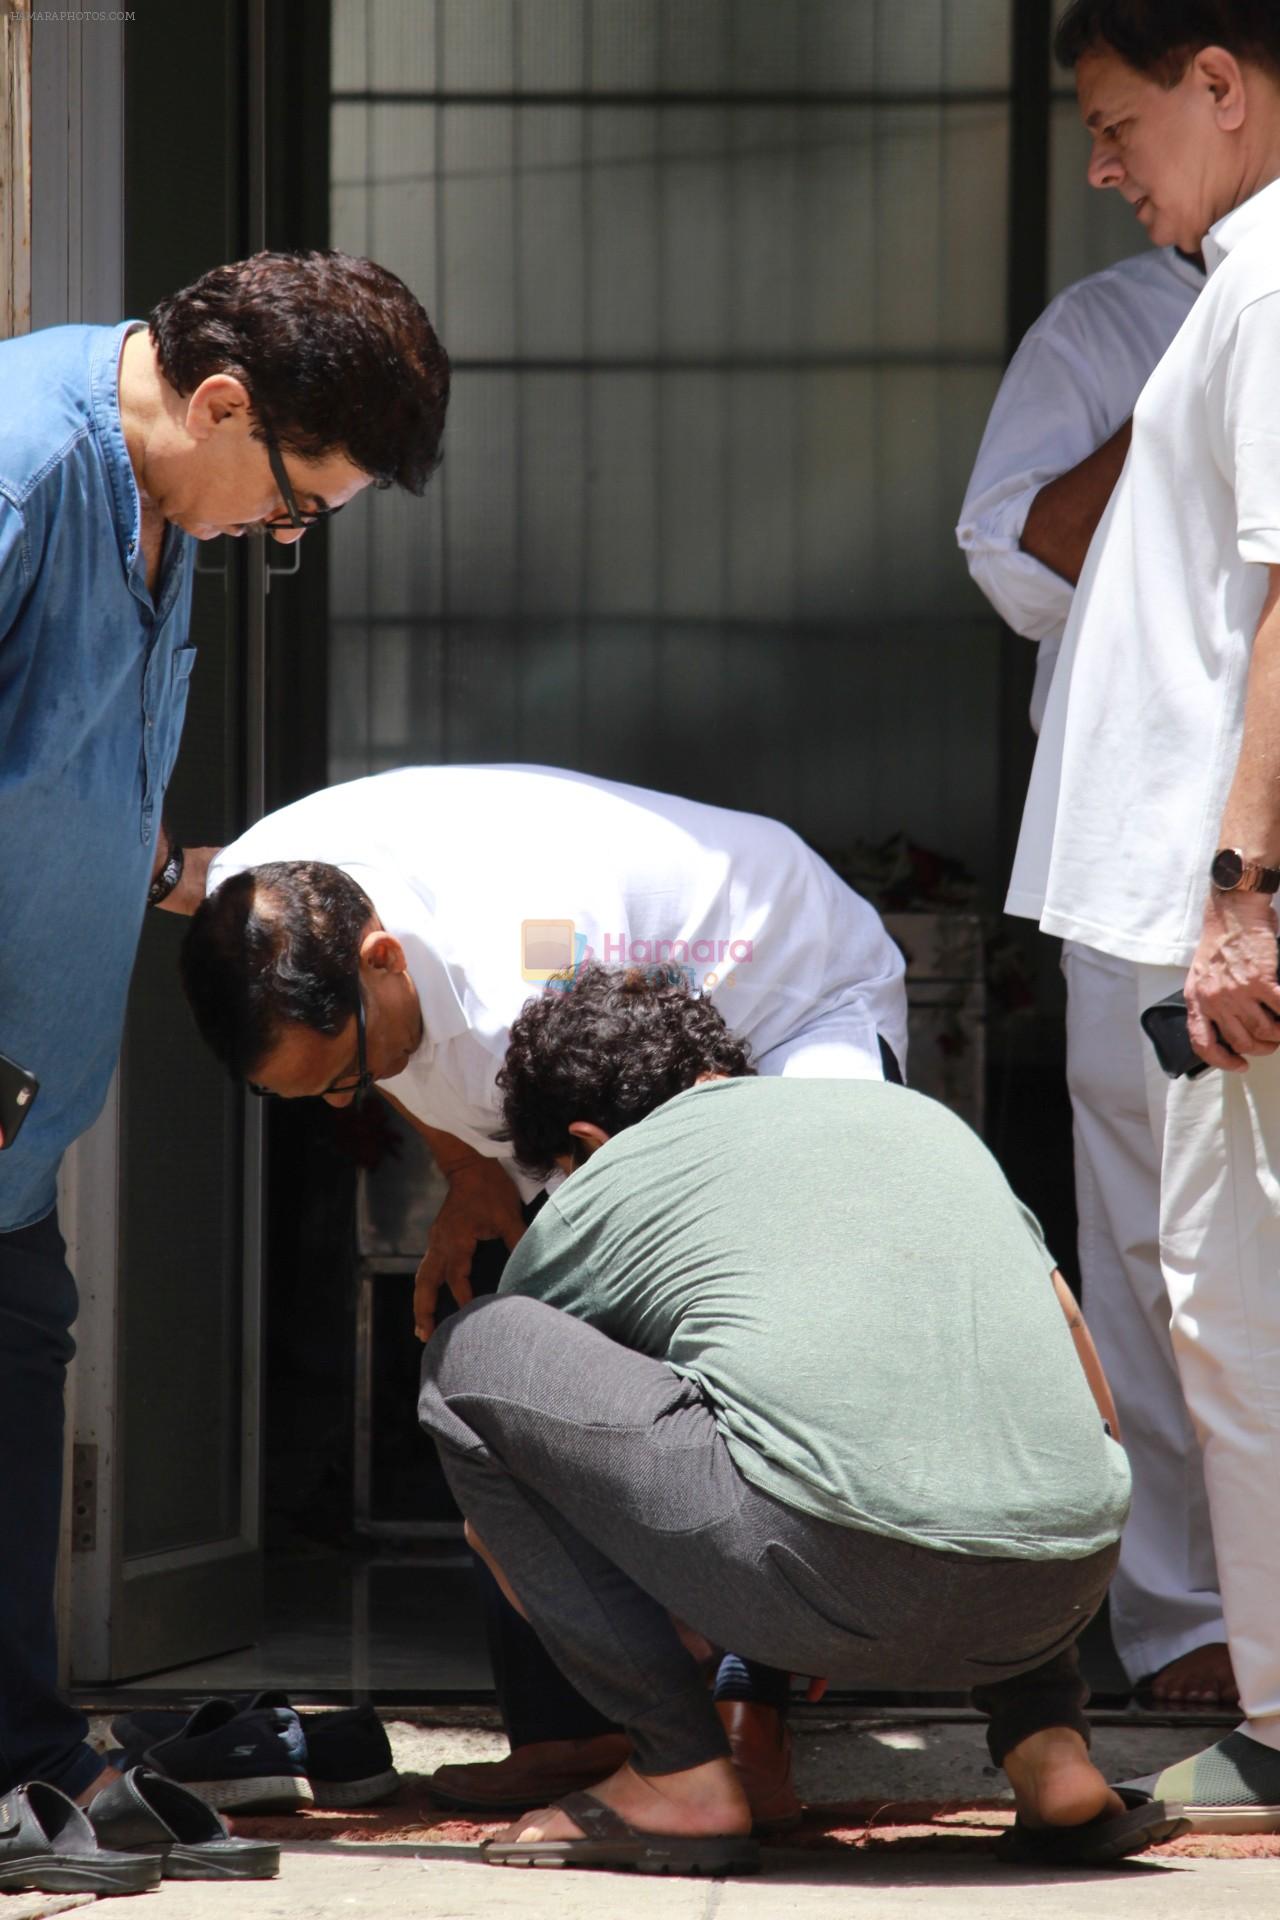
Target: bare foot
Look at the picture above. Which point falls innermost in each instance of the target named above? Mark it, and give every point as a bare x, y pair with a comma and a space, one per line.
104, 1779
1055, 1783
705, 1799
1201, 1678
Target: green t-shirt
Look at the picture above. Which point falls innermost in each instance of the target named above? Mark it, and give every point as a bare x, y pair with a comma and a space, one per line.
842, 1269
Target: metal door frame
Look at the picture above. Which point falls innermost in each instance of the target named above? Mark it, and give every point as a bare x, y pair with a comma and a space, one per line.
77, 275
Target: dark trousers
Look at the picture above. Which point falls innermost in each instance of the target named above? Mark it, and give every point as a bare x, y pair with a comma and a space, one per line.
535, 1699
598, 1479
41, 1737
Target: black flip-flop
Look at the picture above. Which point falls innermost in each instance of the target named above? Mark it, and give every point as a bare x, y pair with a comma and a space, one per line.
48, 1844
143, 1809
1095, 1843
612, 1843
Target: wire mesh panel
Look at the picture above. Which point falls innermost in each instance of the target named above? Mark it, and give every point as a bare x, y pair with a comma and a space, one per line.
723, 284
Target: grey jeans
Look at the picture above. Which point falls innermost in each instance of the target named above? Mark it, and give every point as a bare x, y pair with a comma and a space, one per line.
598, 1480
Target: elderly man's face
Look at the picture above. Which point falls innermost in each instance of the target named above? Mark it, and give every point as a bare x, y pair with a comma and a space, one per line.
209, 471
305, 1064
231, 489
1163, 148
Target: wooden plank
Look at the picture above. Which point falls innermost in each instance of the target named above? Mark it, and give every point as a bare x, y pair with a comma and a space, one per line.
15, 167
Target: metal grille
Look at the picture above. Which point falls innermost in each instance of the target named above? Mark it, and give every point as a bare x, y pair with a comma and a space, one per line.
723, 283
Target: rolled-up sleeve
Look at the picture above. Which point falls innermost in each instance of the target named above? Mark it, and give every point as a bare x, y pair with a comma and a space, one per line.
1045, 420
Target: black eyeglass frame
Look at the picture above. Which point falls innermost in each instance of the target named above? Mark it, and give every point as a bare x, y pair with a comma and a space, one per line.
299, 518
359, 1086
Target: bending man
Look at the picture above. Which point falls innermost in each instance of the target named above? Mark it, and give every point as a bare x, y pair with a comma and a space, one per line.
261, 398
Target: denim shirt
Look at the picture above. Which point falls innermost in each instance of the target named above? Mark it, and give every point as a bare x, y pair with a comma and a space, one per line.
93, 687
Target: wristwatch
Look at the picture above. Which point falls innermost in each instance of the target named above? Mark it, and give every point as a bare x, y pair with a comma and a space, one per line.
1232, 873
167, 878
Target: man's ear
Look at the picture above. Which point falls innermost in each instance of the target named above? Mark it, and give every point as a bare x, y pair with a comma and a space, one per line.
591, 1136
219, 398
383, 952
1219, 72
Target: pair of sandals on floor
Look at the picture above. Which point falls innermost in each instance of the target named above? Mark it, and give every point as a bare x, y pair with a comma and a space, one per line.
609, 1841
137, 1831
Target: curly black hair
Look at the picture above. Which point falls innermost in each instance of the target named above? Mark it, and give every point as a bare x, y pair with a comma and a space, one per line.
271, 945
335, 353
608, 1045
1159, 37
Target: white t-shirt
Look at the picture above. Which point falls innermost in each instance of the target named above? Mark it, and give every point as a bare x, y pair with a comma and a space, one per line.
1142, 730
1073, 381
480, 871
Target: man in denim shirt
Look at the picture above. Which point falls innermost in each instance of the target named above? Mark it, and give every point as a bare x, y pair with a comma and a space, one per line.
261, 398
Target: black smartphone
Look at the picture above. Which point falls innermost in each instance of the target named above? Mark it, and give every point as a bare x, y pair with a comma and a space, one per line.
1165, 1025
18, 1090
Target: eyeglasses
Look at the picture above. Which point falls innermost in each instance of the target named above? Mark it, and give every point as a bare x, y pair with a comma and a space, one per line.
293, 515
363, 1079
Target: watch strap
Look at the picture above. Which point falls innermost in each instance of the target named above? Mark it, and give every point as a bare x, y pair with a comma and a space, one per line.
167, 878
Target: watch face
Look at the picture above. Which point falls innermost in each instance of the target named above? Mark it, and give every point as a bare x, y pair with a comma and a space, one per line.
1227, 869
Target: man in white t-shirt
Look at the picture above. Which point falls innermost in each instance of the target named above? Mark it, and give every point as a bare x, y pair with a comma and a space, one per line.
1152, 828
486, 880
1053, 448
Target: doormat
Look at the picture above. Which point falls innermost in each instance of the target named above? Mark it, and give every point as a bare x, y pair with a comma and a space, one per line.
902, 1826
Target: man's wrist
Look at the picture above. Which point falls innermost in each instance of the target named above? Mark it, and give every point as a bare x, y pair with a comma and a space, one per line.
1241, 909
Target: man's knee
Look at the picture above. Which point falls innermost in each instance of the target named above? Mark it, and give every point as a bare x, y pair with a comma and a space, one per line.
475, 1352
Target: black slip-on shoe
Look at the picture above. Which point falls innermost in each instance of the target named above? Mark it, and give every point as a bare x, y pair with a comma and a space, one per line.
48, 1845
248, 1762
144, 1811
349, 1761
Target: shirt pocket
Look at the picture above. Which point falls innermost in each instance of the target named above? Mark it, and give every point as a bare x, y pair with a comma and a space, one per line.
164, 719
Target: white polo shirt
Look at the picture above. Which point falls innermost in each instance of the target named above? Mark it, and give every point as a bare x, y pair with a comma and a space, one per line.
1142, 729
473, 867
1073, 381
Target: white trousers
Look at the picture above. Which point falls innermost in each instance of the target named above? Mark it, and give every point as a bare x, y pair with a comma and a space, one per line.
1164, 1598
1220, 1250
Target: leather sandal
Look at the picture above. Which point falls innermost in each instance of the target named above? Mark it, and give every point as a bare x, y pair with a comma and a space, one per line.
610, 1842
1108, 1838
144, 1810
48, 1844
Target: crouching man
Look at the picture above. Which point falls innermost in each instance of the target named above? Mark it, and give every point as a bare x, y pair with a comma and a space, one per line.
782, 1361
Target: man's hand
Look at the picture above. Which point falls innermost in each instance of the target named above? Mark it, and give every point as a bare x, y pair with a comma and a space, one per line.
1232, 983
483, 1204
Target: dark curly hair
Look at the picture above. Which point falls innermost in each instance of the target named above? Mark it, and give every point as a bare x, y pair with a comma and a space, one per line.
336, 354
609, 1045
271, 945
1159, 37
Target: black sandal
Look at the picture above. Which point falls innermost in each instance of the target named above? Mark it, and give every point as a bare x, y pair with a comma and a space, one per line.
143, 1809
611, 1842
1098, 1842
48, 1844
